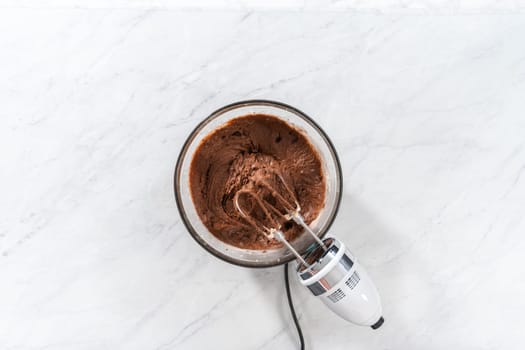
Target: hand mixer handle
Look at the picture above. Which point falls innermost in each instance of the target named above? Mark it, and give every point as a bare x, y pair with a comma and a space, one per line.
342, 283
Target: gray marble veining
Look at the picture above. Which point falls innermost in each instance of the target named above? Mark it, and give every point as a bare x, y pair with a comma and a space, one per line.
425, 104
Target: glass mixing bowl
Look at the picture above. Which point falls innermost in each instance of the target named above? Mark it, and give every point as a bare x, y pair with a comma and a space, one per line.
331, 169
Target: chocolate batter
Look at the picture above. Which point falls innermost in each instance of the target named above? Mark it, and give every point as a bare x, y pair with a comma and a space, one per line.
238, 155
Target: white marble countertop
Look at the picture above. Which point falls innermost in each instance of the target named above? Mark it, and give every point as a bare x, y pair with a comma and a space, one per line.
425, 102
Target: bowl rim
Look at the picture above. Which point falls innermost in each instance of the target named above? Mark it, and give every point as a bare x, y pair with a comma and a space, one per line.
200, 126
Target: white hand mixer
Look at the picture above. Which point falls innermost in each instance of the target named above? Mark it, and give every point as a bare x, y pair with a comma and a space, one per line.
328, 269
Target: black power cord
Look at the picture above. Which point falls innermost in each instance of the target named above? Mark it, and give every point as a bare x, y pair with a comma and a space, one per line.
292, 309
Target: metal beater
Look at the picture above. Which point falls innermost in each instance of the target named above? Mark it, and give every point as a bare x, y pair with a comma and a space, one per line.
275, 216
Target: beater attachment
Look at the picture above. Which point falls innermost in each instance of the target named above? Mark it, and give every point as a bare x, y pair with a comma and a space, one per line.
268, 207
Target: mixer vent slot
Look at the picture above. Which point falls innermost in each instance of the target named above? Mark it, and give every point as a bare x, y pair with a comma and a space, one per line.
353, 280
336, 296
